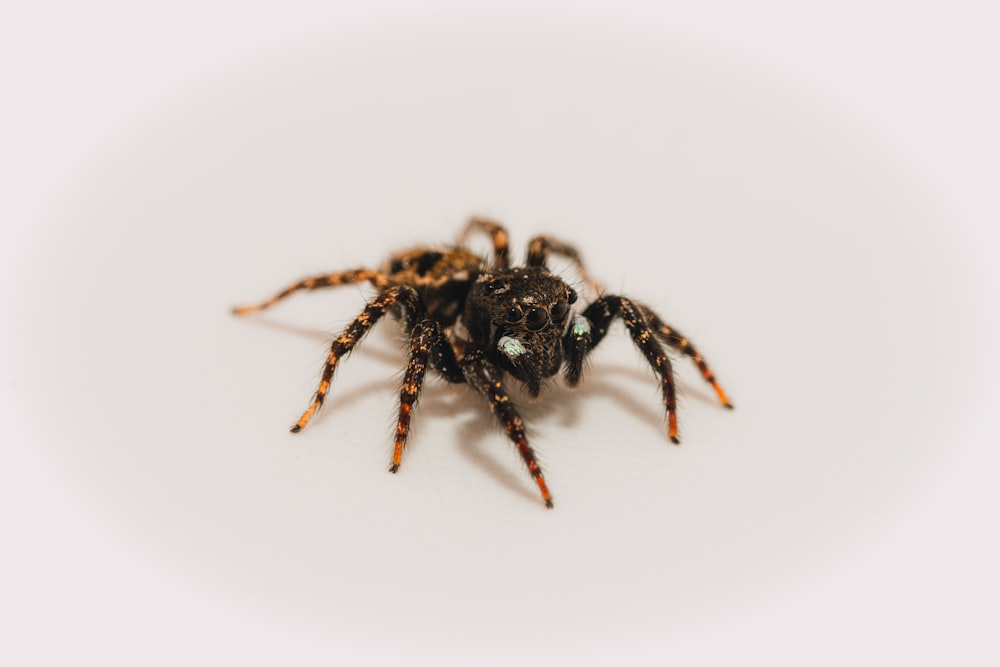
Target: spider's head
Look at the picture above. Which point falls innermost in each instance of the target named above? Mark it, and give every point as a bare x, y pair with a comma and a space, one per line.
521, 315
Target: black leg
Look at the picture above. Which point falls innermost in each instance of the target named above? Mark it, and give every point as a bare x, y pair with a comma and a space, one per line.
484, 377
599, 316
678, 341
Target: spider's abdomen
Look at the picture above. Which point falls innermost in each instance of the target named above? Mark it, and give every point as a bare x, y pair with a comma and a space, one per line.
441, 276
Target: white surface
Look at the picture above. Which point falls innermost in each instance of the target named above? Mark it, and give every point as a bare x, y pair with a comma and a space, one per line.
821, 225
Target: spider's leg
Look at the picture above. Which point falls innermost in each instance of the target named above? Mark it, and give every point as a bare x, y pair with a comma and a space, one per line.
678, 341
352, 276
540, 247
484, 377
601, 313
497, 232
351, 336
427, 345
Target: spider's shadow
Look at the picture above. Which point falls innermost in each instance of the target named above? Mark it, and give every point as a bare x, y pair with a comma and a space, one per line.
440, 401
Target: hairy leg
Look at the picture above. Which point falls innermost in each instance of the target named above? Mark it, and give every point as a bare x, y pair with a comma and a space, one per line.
484, 377
498, 234
540, 247
351, 336
598, 317
352, 276
678, 341
428, 345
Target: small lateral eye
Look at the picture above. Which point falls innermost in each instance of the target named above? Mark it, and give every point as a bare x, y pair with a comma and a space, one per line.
491, 287
559, 311
572, 295
513, 314
536, 319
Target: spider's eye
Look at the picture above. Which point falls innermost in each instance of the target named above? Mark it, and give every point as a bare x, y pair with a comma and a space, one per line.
536, 319
513, 314
572, 295
559, 311
489, 288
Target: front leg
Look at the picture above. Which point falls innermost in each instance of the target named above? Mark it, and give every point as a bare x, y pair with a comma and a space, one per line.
483, 376
679, 341
351, 336
589, 329
428, 345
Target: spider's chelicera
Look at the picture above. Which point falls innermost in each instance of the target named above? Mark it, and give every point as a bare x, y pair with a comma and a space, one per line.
475, 322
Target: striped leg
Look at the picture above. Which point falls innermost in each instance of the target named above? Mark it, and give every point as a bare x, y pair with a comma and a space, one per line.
376, 278
484, 377
540, 247
599, 316
427, 345
497, 232
678, 341
351, 336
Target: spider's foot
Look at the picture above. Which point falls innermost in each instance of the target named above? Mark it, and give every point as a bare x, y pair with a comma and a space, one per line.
674, 439
394, 468
723, 398
549, 503
244, 310
313, 407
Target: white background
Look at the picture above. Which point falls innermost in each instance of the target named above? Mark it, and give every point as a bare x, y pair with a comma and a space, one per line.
103, 565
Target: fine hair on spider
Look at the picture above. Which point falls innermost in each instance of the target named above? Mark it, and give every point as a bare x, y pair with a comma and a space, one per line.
477, 321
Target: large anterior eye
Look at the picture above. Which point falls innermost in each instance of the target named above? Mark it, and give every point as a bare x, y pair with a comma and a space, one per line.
536, 319
513, 314
572, 295
559, 311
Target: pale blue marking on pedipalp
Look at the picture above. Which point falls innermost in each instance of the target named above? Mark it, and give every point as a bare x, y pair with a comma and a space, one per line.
511, 347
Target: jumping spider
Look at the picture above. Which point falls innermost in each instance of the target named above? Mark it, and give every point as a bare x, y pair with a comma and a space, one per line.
473, 322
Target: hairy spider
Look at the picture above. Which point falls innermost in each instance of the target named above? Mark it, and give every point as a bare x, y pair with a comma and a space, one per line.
474, 322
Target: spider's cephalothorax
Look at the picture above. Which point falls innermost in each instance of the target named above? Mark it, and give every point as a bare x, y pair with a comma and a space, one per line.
474, 321
521, 313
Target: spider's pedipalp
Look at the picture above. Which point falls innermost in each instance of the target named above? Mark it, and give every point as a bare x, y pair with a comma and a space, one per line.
576, 344
376, 278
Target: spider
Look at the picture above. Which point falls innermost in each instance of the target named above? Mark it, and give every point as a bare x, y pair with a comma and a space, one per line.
475, 322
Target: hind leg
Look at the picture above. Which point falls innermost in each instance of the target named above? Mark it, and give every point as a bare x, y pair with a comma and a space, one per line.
540, 247
498, 234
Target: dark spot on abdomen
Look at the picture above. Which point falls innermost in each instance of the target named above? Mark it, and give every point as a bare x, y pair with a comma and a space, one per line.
427, 261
